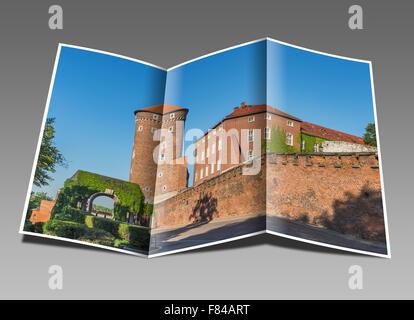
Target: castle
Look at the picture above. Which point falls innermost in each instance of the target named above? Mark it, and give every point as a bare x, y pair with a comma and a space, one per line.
168, 175
340, 191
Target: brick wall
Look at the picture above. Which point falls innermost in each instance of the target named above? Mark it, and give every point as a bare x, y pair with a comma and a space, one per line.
227, 195
341, 192
42, 214
232, 144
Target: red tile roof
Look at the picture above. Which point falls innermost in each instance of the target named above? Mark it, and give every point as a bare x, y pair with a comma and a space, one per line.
329, 134
161, 109
249, 109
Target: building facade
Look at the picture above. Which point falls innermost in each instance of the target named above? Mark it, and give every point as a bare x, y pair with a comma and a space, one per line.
222, 147
158, 166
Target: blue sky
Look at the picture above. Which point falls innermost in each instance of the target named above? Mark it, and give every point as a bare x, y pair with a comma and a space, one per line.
331, 92
94, 97
93, 100
324, 90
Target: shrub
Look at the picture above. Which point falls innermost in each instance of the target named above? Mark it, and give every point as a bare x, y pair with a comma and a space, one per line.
147, 209
37, 227
66, 229
73, 230
104, 242
119, 242
68, 213
76, 215
136, 236
108, 225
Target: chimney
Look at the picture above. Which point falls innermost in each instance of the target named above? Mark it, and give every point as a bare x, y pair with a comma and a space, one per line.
243, 105
235, 109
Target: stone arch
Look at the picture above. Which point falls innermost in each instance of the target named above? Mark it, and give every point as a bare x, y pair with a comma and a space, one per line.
107, 193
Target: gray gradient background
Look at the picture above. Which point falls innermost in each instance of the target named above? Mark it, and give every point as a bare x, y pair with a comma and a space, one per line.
167, 33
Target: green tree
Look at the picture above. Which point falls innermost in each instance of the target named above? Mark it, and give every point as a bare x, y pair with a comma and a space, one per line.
49, 156
370, 136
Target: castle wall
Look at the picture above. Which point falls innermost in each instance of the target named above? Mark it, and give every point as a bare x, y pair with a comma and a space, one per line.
341, 192
342, 146
227, 195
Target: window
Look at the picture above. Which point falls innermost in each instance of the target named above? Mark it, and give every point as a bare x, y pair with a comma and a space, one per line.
220, 145
316, 147
213, 149
212, 168
164, 187
251, 137
289, 139
267, 133
162, 156
195, 176
172, 115
171, 129
202, 155
153, 129
206, 171
201, 173
303, 145
267, 116
155, 116
140, 128
290, 123
251, 119
208, 152
147, 188
219, 165
160, 174
250, 155
221, 128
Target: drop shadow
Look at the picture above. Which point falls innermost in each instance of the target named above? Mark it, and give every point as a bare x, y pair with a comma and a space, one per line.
63, 243
272, 240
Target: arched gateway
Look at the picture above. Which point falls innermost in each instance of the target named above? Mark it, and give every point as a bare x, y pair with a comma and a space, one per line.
84, 187
107, 193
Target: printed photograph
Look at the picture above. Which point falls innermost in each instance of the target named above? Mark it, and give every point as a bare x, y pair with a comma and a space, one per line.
81, 189
260, 137
322, 158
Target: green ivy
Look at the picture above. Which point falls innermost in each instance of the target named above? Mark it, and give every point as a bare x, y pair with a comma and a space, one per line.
84, 184
309, 141
277, 141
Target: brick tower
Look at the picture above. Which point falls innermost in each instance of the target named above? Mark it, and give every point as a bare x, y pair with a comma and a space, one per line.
170, 174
